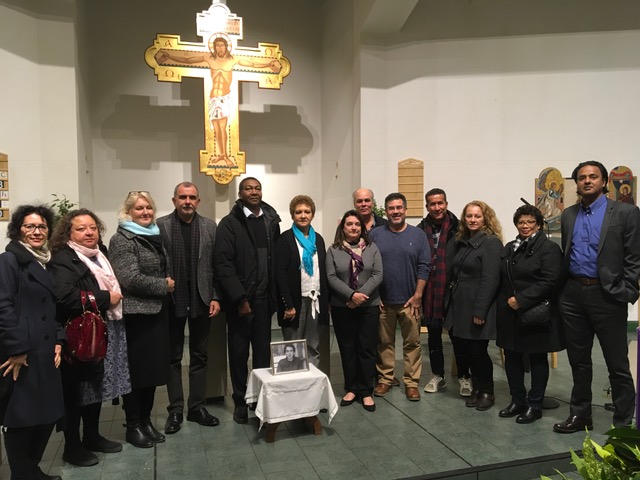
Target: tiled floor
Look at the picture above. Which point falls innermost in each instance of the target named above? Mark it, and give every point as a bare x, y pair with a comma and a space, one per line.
401, 439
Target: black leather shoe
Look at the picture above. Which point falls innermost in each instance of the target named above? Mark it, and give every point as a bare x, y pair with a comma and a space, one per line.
346, 403
241, 414
574, 424
530, 416
484, 401
101, 444
50, 477
512, 410
150, 431
136, 437
472, 401
80, 457
203, 417
174, 421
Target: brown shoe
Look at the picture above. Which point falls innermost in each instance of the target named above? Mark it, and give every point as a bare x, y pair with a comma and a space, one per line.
412, 393
381, 389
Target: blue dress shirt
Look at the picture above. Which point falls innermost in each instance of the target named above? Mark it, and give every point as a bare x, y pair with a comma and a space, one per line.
583, 260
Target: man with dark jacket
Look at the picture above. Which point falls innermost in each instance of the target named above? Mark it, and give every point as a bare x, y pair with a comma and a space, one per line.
189, 238
440, 226
244, 268
601, 243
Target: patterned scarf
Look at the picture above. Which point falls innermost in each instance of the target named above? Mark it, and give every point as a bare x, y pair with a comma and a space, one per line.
357, 265
438, 278
308, 245
42, 255
102, 272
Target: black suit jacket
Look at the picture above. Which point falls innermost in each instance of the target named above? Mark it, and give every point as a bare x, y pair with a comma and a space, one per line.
618, 250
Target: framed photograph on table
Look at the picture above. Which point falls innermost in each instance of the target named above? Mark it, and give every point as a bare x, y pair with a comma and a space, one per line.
289, 357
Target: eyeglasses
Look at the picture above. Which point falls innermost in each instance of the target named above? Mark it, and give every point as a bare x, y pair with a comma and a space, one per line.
522, 223
136, 192
30, 227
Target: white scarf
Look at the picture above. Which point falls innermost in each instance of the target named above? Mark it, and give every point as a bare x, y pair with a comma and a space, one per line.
42, 255
103, 274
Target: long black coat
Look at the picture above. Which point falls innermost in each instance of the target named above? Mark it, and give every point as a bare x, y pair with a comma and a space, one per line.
288, 279
473, 265
535, 270
28, 325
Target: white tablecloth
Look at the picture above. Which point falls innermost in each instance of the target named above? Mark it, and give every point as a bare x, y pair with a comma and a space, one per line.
289, 396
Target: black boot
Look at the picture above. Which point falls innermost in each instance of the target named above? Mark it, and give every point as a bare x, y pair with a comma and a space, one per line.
137, 437
150, 431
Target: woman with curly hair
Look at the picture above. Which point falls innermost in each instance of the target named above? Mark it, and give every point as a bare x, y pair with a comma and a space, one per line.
30, 343
80, 264
473, 274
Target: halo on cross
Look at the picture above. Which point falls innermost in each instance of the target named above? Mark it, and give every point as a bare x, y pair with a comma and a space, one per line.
214, 37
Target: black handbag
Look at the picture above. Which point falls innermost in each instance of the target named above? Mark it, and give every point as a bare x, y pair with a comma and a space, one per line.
537, 316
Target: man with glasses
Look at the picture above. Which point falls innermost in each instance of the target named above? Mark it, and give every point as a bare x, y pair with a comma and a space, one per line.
244, 266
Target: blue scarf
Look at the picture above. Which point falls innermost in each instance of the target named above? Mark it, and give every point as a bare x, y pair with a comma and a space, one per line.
133, 227
308, 247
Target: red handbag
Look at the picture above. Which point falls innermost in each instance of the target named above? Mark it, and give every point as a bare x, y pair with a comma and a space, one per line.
87, 333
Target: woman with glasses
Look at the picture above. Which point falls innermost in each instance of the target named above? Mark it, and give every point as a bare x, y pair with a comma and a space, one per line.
30, 343
529, 269
80, 264
141, 265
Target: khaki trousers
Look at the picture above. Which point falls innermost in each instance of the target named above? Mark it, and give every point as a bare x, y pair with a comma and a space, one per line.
411, 349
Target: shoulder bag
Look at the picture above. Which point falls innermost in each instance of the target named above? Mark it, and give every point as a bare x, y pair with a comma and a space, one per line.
87, 333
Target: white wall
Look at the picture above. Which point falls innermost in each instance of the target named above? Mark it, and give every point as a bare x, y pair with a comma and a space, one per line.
487, 115
38, 127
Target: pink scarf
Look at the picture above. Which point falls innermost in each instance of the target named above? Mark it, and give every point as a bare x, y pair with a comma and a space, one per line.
103, 274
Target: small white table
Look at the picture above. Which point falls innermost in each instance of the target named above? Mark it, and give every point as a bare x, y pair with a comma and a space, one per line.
290, 396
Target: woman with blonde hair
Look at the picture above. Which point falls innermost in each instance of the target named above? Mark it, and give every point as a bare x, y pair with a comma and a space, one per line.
473, 274
141, 265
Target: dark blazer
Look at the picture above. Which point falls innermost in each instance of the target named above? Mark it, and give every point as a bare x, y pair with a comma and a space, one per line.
288, 279
535, 271
205, 253
473, 265
618, 250
236, 258
28, 325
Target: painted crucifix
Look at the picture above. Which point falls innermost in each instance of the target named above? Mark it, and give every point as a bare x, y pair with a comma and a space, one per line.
222, 65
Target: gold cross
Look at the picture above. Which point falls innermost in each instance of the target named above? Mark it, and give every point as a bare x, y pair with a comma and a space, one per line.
221, 64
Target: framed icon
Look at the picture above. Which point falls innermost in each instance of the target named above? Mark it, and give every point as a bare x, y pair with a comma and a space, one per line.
289, 357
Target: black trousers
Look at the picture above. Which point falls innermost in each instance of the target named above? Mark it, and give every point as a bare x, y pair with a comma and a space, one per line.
588, 312
242, 332
356, 331
436, 355
90, 416
25, 447
138, 405
198, 355
460, 352
473, 355
515, 368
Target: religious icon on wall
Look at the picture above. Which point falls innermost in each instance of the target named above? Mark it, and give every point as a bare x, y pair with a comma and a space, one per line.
623, 186
550, 197
222, 64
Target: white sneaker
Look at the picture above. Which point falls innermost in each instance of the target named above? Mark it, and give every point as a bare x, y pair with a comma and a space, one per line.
465, 387
435, 384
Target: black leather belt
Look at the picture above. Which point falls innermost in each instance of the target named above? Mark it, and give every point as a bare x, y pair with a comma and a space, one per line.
586, 280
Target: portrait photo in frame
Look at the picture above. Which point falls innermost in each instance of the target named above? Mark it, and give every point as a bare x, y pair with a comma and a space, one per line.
289, 357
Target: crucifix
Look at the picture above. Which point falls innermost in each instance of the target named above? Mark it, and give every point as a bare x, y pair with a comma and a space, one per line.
222, 64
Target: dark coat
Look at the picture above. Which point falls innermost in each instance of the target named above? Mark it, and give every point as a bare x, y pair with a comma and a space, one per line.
288, 279
473, 265
618, 250
235, 257
141, 271
72, 276
535, 271
28, 325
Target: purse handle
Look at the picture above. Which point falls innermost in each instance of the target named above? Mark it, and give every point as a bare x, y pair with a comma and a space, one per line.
92, 300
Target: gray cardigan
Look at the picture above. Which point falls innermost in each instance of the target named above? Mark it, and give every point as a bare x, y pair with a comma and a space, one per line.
338, 268
141, 272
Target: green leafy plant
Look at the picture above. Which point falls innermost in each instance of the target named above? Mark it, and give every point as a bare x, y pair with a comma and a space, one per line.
60, 206
379, 211
618, 459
